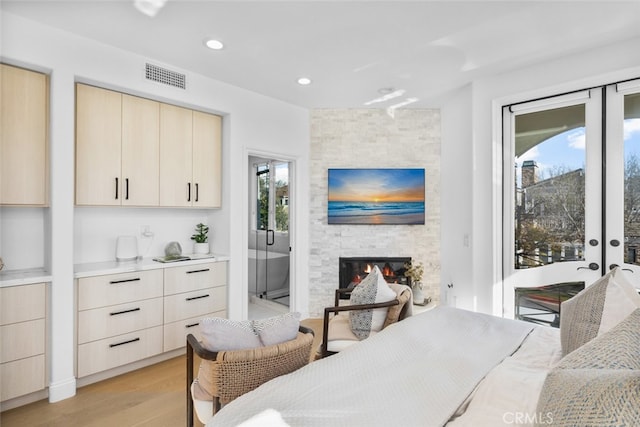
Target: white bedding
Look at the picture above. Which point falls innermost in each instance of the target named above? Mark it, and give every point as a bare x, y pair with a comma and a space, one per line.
508, 395
414, 373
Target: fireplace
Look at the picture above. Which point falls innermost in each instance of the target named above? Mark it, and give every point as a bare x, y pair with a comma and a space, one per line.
353, 270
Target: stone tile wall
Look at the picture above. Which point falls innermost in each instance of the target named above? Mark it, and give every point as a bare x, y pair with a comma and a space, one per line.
353, 138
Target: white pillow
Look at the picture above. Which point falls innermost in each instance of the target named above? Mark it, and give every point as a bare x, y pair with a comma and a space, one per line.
277, 329
373, 289
596, 310
219, 334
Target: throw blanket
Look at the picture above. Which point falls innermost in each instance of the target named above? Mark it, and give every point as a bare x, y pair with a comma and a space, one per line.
413, 373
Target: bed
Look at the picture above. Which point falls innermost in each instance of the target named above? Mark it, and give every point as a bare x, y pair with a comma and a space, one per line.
453, 367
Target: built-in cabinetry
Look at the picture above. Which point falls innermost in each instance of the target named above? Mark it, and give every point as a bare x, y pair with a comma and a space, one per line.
138, 152
190, 158
23, 137
127, 317
117, 148
191, 293
23, 340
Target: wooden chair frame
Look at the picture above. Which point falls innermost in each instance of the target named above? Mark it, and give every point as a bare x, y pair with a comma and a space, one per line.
324, 352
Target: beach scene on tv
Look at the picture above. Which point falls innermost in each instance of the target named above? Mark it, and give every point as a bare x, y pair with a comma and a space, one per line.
376, 196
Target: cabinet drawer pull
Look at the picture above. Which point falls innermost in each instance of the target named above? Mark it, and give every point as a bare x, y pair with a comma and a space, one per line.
192, 325
198, 271
115, 282
198, 297
124, 342
115, 313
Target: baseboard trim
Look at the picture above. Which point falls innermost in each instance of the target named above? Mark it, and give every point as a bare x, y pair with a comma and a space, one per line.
61, 390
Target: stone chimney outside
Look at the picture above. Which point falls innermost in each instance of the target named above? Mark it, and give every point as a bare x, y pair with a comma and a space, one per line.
529, 173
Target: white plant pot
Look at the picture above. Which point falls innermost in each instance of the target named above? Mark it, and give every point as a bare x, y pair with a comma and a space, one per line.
201, 248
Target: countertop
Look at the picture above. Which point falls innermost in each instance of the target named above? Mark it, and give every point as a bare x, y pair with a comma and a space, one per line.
40, 275
23, 277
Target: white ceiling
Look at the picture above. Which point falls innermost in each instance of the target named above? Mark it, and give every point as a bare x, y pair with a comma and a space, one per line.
350, 49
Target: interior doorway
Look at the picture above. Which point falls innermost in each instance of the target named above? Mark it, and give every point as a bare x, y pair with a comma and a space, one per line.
269, 244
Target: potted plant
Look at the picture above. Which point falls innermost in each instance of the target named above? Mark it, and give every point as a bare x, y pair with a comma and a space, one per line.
200, 238
415, 272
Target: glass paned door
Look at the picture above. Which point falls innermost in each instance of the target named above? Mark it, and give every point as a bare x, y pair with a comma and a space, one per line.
623, 177
552, 201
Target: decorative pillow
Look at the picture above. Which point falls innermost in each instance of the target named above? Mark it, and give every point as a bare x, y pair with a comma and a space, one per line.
404, 295
372, 289
596, 309
219, 334
277, 329
599, 383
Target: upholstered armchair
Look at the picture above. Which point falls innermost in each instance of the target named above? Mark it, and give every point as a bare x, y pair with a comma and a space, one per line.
231, 374
337, 328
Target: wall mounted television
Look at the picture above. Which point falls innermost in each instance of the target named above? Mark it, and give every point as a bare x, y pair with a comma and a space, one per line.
376, 196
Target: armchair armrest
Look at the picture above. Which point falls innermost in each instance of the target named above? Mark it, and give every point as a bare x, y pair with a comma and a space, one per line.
329, 310
340, 292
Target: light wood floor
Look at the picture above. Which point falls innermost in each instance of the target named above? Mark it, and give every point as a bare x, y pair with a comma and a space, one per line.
151, 396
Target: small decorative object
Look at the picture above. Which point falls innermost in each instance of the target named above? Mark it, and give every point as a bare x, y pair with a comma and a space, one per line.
1, 264
201, 246
415, 272
173, 249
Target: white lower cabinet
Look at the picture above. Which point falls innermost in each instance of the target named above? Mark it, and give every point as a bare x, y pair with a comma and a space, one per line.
22, 340
127, 317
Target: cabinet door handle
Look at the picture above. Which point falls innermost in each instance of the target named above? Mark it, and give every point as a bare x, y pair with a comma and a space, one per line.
198, 271
192, 325
115, 313
126, 186
198, 297
188, 191
116, 188
114, 282
124, 342
197, 192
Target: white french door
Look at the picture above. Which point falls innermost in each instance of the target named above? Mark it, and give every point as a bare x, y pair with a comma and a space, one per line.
571, 190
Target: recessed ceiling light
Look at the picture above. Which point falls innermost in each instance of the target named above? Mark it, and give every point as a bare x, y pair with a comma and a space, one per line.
304, 81
214, 44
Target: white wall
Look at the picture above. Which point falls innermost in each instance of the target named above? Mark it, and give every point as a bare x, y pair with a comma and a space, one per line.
457, 284
251, 122
481, 152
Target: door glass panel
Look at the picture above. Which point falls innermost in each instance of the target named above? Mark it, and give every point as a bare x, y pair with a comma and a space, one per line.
282, 197
262, 197
549, 188
632, 179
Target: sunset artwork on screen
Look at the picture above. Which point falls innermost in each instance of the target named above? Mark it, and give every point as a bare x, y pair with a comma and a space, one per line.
376, 196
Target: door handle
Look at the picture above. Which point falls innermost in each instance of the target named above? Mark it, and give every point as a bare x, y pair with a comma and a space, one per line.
592, 266
273, 237
615, 243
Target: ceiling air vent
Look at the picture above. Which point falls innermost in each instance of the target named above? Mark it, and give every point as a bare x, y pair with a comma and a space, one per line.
164, 76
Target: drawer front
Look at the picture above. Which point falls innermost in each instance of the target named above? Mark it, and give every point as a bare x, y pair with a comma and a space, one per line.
193, 304
22, 303
109, 353
102, 291
21, 340
193, 277
175, 333
22, 377
101, 323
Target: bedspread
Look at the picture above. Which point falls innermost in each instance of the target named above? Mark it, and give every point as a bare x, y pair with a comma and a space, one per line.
413, 373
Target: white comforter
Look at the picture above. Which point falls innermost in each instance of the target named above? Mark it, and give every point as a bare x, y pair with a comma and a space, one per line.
414, 373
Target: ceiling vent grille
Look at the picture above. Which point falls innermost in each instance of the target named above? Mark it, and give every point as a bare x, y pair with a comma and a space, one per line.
164, 76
